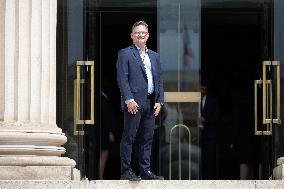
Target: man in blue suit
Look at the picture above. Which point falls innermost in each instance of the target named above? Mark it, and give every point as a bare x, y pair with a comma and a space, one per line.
140, 81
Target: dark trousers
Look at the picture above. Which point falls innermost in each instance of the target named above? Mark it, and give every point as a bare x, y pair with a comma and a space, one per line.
139, 126
209, 159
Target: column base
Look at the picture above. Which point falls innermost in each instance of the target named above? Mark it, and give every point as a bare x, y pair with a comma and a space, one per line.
38, 168
36, 173
32, 151
38, 139
278, 172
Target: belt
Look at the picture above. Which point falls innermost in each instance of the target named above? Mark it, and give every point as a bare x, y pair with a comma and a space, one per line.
150, 95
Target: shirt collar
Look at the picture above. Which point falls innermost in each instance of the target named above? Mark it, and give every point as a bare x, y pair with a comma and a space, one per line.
139, 49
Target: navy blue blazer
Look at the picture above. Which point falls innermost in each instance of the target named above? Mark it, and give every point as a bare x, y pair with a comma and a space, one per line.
132, 78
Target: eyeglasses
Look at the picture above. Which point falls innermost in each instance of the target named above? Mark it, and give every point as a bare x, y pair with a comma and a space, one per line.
141, 33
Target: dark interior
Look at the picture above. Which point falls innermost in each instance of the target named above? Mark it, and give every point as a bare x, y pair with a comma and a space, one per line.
113, 35
231, 61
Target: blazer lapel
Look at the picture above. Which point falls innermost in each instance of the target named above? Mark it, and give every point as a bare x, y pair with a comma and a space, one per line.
137, 56
153, 62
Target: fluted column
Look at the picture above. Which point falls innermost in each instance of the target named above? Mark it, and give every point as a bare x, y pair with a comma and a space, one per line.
10, 37
45, 68
2, 59
36, 60
24, 64
29, 136
52, 34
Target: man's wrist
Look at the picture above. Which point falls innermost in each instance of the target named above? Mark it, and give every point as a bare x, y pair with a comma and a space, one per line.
128, 101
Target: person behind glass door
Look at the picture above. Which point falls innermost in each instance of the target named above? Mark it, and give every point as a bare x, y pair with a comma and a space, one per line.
209, 117
242, 119
141, 86
107, 130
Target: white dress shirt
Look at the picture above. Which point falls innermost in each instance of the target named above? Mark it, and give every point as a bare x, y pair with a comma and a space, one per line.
147, 65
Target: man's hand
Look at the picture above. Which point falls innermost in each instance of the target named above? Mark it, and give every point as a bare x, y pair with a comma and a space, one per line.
201, 120
157, 109
132, 107
111, 137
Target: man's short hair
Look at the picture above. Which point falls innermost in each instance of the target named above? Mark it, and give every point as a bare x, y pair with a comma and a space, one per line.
143, 23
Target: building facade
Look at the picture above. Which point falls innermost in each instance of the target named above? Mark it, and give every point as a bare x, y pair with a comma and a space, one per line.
60, 102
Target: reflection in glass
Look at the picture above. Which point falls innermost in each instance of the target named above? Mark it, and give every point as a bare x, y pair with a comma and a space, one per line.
179, 44
179, 50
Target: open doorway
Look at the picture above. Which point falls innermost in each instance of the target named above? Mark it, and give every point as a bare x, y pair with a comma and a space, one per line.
112, 33
231, 45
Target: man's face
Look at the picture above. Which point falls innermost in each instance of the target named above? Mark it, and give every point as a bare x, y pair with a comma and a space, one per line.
203, 90
140, 35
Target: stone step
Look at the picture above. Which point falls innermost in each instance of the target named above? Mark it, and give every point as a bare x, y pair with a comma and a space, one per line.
117, 184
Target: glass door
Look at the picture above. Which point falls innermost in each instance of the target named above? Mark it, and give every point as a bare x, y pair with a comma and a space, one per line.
179, 50
241, 66
268, 126
213, 51
278, 131
264, 94
75, 83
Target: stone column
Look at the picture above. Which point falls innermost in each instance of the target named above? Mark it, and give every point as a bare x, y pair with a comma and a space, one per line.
30, 141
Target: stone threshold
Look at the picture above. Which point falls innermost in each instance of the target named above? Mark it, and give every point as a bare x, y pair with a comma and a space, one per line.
117, 184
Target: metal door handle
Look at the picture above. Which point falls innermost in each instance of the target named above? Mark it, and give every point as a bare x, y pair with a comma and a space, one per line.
267, 122
77, 99
276, 120
76, 111
267, 99
265, 109
189, 151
